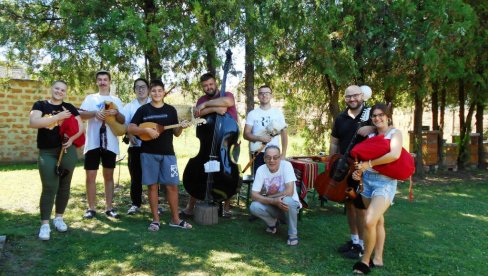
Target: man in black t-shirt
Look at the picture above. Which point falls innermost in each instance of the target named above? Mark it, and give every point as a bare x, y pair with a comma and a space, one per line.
158, 160
345, 126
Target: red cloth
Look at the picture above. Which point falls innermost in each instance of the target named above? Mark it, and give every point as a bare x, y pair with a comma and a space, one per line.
377, 146
69, 127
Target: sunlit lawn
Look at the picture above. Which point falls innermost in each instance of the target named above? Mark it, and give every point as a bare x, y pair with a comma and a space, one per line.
441, 232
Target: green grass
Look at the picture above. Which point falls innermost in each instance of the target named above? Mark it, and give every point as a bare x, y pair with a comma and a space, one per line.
443, 231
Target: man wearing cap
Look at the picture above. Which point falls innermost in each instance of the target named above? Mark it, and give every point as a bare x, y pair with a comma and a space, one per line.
101, 144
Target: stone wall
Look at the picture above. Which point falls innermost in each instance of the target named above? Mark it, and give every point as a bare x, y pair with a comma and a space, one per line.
17, 139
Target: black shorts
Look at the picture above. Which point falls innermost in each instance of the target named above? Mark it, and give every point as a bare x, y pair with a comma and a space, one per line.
92, 159
358, 201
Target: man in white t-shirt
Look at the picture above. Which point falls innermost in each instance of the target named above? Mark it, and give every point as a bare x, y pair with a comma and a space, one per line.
141, 89
256, 123
279, 201
101, 143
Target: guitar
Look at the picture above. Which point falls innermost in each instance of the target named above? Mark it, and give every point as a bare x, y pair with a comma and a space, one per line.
160, 129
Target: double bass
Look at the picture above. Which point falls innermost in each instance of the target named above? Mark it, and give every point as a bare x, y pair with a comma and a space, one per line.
218, 142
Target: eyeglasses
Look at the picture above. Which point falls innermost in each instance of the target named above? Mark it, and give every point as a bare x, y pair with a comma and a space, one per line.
140, 87
377, 115
269, 158
355, 96
264, 93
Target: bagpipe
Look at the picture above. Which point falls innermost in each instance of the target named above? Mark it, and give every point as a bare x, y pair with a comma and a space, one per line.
118, 129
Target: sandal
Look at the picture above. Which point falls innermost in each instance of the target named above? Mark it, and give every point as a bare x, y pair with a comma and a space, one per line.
361, 268
273, 229
183, 224
292, 241
153, 227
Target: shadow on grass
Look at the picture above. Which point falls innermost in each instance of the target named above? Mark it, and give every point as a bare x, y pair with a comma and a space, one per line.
441, 229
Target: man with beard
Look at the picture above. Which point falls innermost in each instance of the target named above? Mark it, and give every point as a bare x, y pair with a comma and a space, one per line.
210, 103
345, 126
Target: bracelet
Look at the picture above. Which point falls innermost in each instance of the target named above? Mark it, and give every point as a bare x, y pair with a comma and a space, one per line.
369, 162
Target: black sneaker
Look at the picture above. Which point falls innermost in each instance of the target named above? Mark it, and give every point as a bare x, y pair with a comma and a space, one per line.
89, 214
345, 247
356, 252
112, 214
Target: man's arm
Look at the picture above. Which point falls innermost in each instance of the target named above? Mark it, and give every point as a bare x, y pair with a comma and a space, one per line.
366, 130
284, 143
218, 105
334, 145
210, 110
275, 199
254, 138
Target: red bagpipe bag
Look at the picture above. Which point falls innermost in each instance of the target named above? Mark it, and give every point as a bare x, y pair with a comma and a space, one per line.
377, 146
70, 127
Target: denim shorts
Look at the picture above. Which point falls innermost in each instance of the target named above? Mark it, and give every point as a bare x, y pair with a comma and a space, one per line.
159, 169
375, 184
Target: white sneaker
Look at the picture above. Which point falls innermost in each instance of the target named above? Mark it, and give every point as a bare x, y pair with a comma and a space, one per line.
60, 225
44, 232
133, 210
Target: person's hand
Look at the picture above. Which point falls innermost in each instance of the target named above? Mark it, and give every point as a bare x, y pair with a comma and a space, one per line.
68, 143
111, 112
356, 175
198, 109
362, 166
282, 205
366, 130
65, 114
152, 133
185, 123
265, 138
132, 139
100, 115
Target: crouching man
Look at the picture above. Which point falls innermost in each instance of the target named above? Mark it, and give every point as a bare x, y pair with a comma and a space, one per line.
279, 200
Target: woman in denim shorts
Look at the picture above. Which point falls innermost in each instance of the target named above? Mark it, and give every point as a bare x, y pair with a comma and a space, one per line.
378, 190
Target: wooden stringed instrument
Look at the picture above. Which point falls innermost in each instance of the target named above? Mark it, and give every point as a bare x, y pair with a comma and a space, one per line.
333, 183
117, 128
160, 129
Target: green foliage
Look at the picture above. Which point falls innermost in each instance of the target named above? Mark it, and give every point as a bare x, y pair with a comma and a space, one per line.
308, 51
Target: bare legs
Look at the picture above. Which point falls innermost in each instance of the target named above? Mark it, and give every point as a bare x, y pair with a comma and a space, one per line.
108, 178
374, 229
172, 196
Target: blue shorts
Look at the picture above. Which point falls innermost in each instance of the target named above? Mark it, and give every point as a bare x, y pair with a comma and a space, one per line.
375, 184
159, 169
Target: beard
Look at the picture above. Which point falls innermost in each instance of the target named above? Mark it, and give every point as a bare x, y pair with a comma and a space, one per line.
356, 106
211, 93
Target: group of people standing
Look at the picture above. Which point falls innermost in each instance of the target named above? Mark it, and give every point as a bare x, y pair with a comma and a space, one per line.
152, 162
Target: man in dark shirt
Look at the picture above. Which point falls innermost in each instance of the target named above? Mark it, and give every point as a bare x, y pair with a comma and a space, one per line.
345, 126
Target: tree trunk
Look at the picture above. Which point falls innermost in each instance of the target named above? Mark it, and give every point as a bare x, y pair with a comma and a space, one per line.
479, 129
443, 107
435, 118
333, 98
249, 60
417, 129
463, 156
210, 56
435, 105
465, 139
151, 53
